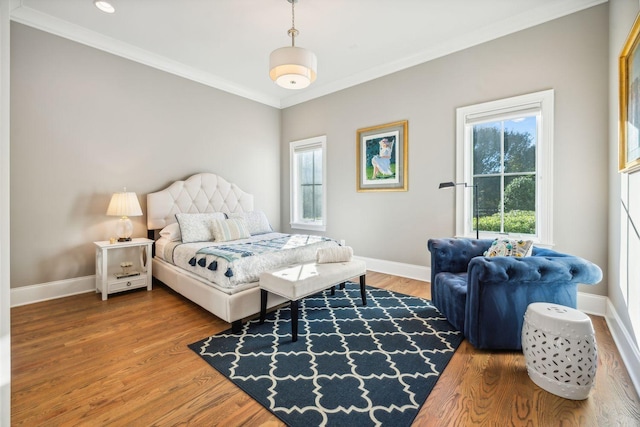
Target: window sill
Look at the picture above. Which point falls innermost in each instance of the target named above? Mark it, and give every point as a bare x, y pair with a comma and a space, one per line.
493, 236
308, 226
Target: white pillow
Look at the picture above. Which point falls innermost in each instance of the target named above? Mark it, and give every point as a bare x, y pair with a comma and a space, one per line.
171, 232
196, 227
257, 221
334, 254
225, 230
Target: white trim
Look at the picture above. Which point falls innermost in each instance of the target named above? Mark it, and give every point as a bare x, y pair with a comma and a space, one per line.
542, 101
589, 303
47, 291
592, 304
626, 346
490, 32
410, 271
44, 22
33, 18
5, 264
296, 147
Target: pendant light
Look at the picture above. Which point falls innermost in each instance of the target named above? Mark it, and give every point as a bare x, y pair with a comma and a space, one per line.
293, 67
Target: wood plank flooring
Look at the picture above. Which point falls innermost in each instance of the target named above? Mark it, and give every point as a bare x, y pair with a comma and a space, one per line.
81, 361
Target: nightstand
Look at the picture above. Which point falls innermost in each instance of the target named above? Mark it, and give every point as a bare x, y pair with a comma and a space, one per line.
111, 277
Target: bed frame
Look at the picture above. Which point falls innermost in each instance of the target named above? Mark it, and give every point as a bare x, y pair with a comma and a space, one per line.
202, 193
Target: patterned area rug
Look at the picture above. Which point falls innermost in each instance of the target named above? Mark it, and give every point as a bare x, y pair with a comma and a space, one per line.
352, 365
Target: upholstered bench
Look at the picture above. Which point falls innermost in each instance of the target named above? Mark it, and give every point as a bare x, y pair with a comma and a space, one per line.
298, 281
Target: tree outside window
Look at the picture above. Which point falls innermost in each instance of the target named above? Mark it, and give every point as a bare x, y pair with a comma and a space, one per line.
504, 167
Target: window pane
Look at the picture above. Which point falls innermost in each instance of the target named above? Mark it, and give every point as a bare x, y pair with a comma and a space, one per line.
489, 203
310, 179
520, 138
502, 146
318, 202
317, 164
520, 204
486, 148
307, 202
305, 167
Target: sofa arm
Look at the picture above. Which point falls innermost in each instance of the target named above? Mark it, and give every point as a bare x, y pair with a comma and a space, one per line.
453, 255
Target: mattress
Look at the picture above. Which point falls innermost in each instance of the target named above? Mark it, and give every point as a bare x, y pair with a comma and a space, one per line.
229, 275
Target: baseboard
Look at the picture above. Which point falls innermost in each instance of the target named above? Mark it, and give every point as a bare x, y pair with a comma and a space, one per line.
592, 304
52, 290
410, 271
64, 288
626, 345
589, 303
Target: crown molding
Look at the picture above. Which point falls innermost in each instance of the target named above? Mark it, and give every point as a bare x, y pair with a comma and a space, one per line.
490, 32
44, 22
41, 21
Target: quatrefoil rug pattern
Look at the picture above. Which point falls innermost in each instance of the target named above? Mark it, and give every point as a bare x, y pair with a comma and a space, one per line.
351, 366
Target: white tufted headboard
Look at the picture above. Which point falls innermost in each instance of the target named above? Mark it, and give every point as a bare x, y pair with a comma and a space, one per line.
200, 193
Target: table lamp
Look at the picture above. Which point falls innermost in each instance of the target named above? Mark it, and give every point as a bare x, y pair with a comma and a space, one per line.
124, 205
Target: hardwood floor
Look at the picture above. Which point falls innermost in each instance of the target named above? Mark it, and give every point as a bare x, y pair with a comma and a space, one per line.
83, 361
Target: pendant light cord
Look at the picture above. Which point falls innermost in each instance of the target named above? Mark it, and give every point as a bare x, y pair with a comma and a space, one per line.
293, 32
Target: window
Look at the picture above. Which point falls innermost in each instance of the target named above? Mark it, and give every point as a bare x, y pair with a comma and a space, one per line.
505, 151
308, 178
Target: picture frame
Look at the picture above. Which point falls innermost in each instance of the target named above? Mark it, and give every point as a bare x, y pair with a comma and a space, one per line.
629, 72
381, 157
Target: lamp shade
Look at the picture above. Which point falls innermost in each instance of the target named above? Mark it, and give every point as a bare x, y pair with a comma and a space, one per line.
293, 67
124, 204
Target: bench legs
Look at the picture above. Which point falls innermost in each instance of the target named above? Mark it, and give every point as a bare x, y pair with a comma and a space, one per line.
362, 291
294, 306
294, 313
236, 326
294, 320
263, 305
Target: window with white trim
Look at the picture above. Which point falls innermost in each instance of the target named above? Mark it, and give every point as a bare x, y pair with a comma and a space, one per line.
505, 152
308, 183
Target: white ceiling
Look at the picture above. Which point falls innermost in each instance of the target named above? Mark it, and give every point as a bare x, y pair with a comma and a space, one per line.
226, 43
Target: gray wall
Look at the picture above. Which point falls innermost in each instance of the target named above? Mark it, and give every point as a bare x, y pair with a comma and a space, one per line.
85, 123
568, 55
623, 243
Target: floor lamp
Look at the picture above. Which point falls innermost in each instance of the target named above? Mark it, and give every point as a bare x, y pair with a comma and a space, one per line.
475, 200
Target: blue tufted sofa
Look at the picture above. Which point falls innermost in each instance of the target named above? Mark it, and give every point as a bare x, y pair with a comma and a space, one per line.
486, 298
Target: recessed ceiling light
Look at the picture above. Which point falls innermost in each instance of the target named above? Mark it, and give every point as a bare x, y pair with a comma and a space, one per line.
104, 6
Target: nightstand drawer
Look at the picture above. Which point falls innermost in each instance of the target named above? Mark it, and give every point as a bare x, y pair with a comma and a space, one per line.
128, 283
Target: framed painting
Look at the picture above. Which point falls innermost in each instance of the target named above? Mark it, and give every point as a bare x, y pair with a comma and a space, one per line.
381, 157
629, 64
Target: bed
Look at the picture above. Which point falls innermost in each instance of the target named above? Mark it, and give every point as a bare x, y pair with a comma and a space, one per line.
220, 275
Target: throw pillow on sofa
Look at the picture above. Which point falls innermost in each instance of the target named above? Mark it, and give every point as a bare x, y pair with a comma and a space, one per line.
508, 247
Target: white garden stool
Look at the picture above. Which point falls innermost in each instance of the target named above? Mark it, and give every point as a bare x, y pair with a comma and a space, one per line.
559, 347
